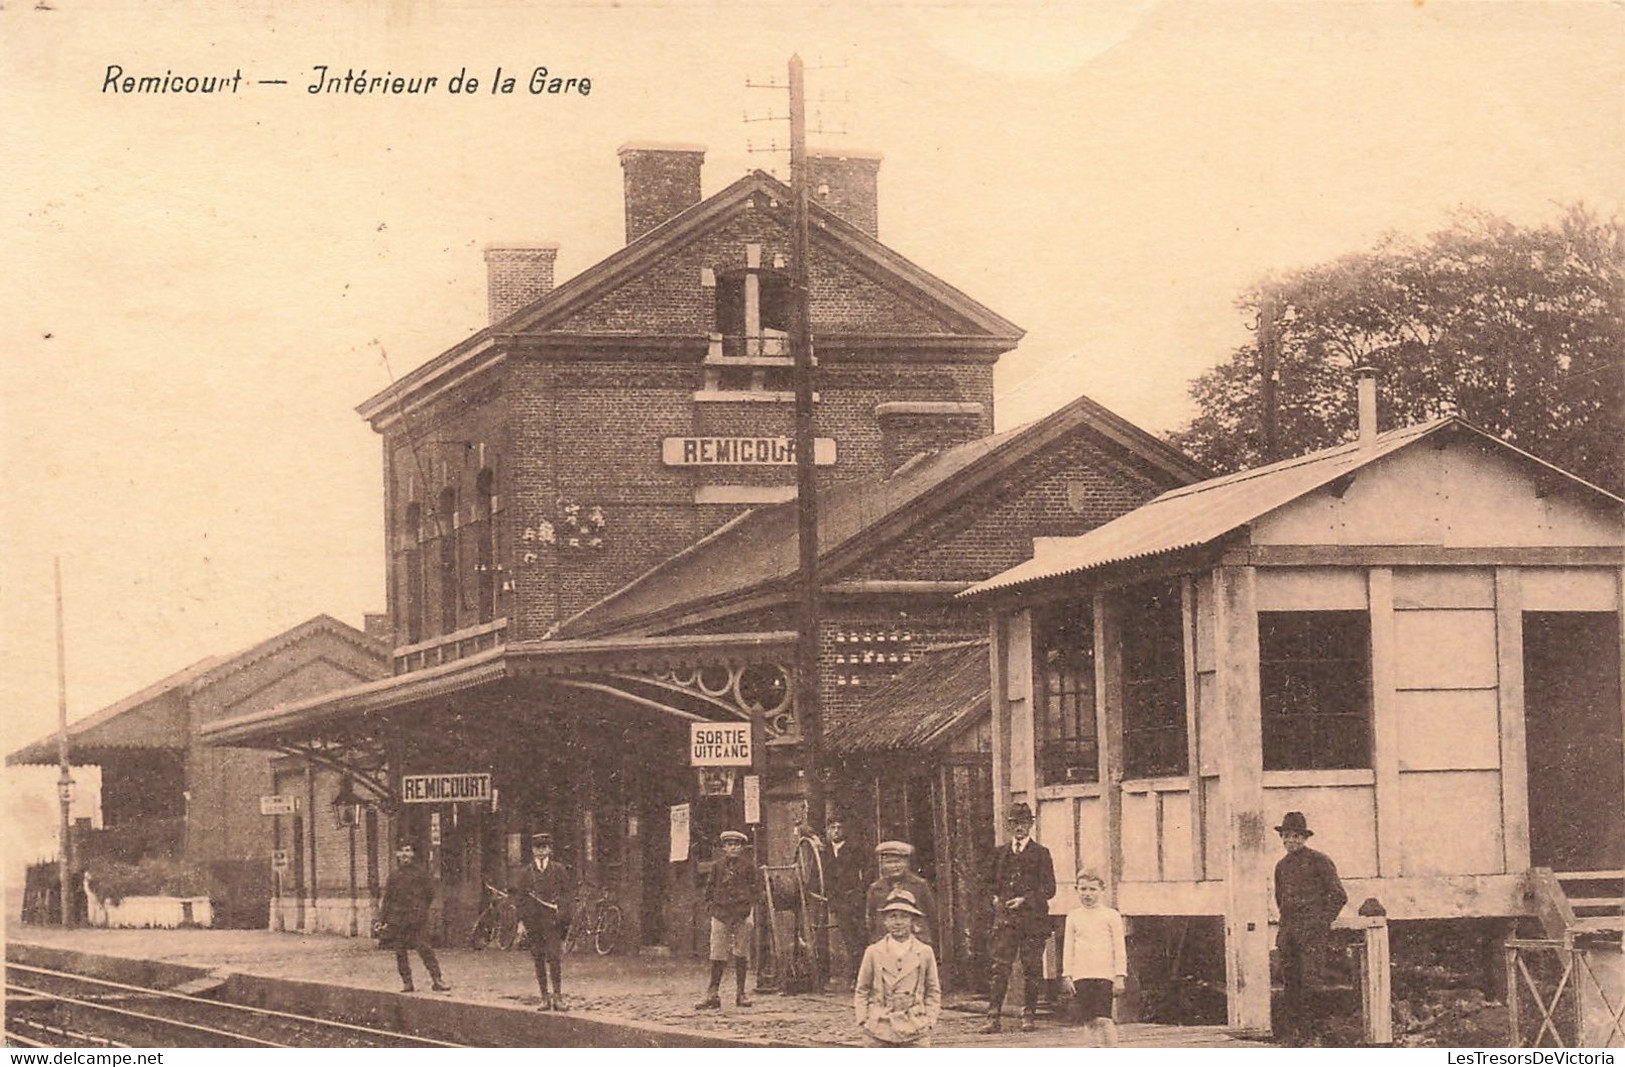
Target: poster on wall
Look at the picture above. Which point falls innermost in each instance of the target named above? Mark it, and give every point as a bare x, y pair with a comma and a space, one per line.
679, 832
753, 799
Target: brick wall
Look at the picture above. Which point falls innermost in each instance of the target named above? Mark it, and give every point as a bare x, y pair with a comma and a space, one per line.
516, 277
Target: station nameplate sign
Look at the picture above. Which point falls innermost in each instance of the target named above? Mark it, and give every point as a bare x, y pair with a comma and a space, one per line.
445, 788
278, 805
741, 451
719, 744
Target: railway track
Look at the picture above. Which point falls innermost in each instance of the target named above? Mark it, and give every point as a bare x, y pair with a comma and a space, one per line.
46, 1008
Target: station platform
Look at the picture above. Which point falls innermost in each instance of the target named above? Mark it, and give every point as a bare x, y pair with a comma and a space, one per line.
615, 1001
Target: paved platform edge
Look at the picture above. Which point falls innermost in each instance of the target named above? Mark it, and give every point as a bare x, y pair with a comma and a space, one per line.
445, 1018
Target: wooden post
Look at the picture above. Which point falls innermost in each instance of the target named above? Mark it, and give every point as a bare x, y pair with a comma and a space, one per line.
998, 656
1514, 1024
1247, 861
314, 924
1109, 730
1193, 731
1510, 710
1385, 719
1376, 990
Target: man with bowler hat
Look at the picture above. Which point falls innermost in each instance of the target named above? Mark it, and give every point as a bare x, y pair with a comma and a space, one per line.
846, 882
1308, 895
1023, 881
544, 889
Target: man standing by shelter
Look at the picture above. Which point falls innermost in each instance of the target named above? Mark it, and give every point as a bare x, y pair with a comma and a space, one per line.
1309, 895
731, 893
1023, 881
846, 882
894, 857
544, 904
404, 917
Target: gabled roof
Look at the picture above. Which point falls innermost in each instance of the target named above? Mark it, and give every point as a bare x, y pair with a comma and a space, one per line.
1196, 515
757, 551
147, 719
561, 302
942, 692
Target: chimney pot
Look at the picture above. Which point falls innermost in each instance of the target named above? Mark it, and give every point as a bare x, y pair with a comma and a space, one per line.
1366, 390
517, 276
661, 181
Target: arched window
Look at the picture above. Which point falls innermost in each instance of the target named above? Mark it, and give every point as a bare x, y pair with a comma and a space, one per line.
485, 545
412, 572
446, 526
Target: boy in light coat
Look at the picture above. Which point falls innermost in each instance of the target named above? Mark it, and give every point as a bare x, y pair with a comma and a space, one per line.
1094, 961
898, 995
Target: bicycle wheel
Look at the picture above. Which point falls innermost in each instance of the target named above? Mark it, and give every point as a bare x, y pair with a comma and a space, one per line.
508, 930
485, 929
608, 933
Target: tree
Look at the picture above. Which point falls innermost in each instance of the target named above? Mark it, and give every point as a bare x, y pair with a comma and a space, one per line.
1521, 331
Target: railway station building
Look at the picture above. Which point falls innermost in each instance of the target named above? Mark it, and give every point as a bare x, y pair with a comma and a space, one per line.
592, 536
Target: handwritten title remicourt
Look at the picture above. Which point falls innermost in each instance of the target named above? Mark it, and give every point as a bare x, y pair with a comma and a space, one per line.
327, 81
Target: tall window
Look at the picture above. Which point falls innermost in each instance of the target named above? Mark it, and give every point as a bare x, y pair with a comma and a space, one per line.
1064, 646
753, 319
446, 526
1153, 682
485, 538
1314, 672
412, 565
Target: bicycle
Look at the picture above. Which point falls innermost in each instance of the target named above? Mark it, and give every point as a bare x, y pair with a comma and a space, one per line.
598, 925
498, 921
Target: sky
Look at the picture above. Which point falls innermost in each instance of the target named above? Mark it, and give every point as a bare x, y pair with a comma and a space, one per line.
201, 288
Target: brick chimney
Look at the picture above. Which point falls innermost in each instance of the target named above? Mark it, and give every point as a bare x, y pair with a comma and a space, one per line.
847, 183
517, 275
908, 427
375, 624
662, 181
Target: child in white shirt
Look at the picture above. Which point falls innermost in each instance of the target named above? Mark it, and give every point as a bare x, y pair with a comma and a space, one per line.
1094, 961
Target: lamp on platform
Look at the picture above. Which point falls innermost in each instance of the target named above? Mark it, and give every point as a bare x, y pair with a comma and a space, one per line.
346, 805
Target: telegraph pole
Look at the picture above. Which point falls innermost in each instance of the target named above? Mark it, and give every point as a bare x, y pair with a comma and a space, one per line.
808, 711
1270, 369
64, 782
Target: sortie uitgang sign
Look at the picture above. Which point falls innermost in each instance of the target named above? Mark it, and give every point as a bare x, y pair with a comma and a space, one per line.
718, 744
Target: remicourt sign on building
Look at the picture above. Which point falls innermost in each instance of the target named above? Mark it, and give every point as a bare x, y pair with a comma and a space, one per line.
445, 788
713, 744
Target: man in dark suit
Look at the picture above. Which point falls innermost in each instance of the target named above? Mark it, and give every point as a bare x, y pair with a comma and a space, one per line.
404, 913
846, 883
1309, 895
1023, 881
545, 889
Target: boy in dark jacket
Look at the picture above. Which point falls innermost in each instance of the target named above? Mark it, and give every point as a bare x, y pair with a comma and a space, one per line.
404, 912
730, 893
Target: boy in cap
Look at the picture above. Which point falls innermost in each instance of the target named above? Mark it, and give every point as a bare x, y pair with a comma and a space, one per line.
404, 912
893, 858
730, 892
1309, 895
544, 891
898, 995
1023, 881
1094, 960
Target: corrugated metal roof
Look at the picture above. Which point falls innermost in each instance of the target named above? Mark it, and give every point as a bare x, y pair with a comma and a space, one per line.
924, 706
1195, 515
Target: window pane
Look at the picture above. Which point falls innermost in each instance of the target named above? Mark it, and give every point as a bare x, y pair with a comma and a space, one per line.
1315, 689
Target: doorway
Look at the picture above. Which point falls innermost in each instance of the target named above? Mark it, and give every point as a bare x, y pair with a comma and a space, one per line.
1573, 728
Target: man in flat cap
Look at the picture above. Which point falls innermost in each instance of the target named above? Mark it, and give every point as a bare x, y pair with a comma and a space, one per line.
545, 888
1309, 895
404, 917
1023, 881
894, 858
731, 892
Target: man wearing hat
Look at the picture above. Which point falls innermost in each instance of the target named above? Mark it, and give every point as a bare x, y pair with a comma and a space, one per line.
544, 889
1023, 881
893, 858
730, 893
898, 993
404, 917
1308, 895
847, 884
